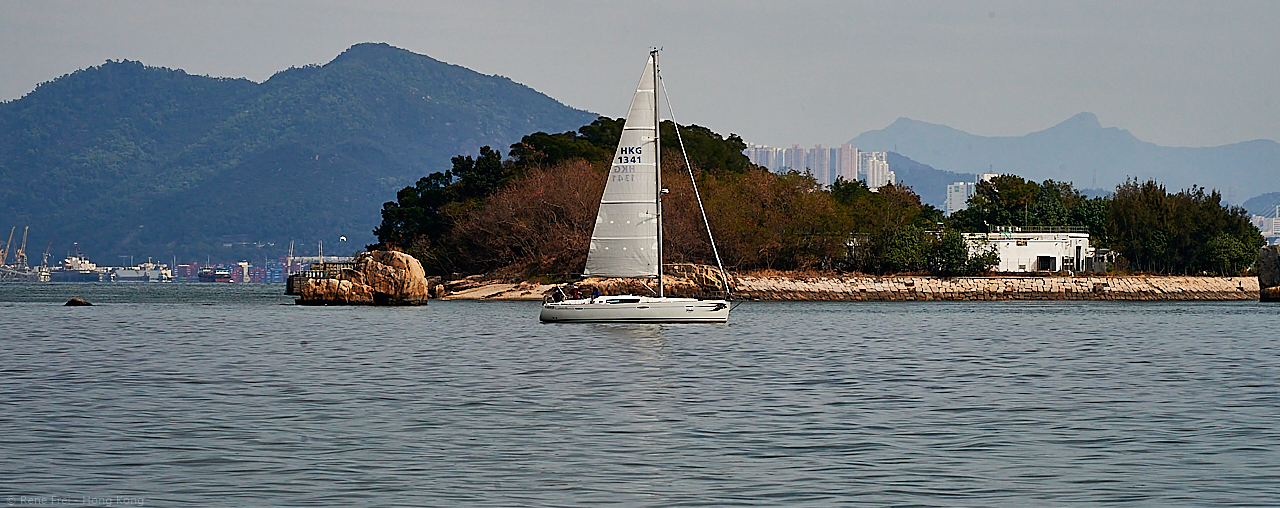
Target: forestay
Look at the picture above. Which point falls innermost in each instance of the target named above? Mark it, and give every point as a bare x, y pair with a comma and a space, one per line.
624, 242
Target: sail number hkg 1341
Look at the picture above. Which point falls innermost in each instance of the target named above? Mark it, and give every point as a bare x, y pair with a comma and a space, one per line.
628, 155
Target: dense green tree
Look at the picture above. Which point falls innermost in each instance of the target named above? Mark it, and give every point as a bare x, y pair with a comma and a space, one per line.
1227, 255
481, 176
707, 150
1188, 232
419, 209
982, 261
1092, 213
847, 193
902, 249
1009, 200
416, 211
950, 255
597, 141
893, 232
594, 143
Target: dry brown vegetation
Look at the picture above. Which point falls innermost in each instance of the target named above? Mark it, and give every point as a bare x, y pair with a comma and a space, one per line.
541, 222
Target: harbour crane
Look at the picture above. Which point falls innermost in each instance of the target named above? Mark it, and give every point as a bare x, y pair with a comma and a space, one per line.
4, 253
21, 260
45, 261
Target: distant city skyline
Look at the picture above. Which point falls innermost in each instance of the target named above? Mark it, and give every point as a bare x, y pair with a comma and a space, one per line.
826, 164
1183, 74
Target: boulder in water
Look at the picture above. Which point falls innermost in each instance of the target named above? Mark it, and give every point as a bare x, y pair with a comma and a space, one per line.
378, 278
77, 302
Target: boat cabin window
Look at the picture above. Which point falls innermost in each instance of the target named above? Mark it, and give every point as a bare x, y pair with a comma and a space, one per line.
622, 300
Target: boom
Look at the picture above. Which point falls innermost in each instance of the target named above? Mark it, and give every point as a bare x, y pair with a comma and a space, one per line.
45, 260
21, 259
4, 253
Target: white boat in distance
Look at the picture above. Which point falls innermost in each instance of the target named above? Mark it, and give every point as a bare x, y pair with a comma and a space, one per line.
627, 239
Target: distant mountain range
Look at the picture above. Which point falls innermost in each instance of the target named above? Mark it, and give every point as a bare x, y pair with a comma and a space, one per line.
1264, 205
127, 159
927, 182
1080, 150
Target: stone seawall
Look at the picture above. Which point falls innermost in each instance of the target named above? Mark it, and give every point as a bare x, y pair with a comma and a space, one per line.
783, 288
995, 288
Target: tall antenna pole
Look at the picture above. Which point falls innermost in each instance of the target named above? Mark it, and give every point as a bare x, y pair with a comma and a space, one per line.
657, 164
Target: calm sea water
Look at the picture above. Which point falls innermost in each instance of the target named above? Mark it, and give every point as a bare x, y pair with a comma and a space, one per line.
225, 395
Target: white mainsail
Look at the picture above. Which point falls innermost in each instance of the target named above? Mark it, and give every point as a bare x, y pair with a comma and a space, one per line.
624, 242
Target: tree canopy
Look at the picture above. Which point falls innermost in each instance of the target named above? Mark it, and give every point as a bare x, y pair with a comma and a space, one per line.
533, 214
1009, 200
1188, 232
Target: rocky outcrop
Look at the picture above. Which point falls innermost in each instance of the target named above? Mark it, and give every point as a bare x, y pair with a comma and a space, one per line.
686, 281
1269, 273
679, 281
77, 302
378, 278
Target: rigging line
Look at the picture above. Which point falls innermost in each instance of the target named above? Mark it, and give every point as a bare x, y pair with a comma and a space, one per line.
694, 182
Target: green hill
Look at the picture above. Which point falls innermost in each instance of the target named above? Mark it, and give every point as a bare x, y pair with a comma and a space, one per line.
127, 159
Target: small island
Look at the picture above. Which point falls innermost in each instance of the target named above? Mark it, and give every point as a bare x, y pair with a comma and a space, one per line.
525, 223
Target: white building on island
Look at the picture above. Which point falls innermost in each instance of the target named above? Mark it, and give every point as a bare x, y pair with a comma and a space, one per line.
1038, 249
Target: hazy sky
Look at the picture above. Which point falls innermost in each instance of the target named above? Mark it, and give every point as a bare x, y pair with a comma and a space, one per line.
1173, 73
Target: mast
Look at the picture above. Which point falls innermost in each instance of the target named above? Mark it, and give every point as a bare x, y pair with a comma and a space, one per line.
657, 164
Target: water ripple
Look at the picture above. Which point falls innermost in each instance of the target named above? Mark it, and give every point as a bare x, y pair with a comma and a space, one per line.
196, 395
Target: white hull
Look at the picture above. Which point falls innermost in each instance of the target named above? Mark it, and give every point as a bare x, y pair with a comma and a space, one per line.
635, 309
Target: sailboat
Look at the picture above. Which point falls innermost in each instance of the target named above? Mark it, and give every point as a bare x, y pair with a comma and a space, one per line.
627, 239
